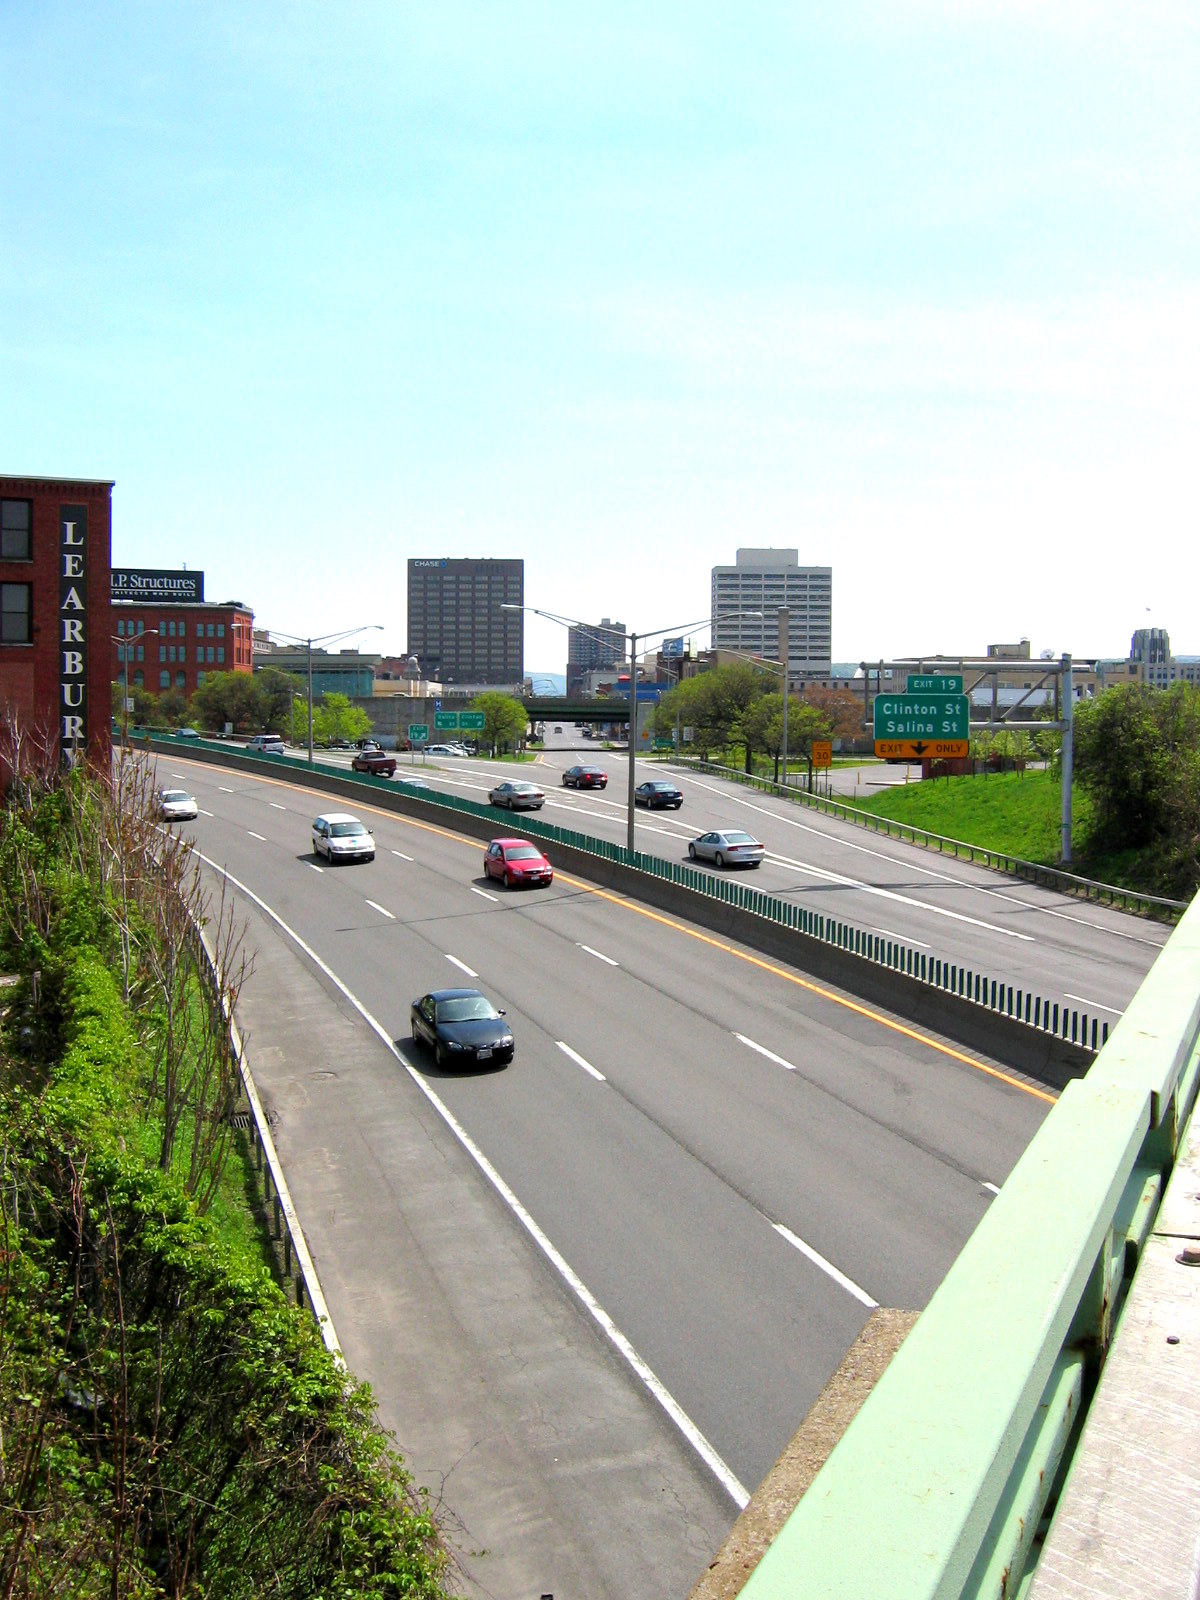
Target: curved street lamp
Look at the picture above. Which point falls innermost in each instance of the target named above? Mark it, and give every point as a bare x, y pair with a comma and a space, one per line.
650, 633
323, 638
123, 644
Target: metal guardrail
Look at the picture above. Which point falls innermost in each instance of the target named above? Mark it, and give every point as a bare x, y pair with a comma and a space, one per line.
980, 989
998, 860
940, 1485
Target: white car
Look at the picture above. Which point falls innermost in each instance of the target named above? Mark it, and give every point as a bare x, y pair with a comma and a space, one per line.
727, 847
340, 837
444, 750
176, 805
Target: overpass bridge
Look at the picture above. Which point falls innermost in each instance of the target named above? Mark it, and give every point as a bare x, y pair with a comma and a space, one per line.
554, 708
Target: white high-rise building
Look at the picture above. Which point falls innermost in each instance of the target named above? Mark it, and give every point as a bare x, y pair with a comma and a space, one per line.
768, 581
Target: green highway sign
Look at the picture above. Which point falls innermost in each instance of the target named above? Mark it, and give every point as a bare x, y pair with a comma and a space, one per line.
418, 733
471, 720
445, 719
938, 683
921, 718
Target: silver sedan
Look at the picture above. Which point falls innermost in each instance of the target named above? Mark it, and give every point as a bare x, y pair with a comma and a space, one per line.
727, 847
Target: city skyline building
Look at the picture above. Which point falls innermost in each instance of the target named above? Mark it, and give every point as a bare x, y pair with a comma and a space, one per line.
458, 627
591, 648
768, 581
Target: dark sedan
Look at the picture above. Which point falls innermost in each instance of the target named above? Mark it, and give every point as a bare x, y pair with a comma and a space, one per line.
657, 793
584, 778
462, 1027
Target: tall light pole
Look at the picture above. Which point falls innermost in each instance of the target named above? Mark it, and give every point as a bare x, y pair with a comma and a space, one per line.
324, 638
783, 657
123, 645
652, 633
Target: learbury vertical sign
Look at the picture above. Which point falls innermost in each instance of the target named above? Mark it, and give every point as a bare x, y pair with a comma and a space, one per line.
72, 613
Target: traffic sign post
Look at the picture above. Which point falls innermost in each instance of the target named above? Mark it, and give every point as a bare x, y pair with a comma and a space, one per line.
822, 753
920, 726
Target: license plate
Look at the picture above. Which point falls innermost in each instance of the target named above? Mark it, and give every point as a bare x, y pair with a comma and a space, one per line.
485, 1054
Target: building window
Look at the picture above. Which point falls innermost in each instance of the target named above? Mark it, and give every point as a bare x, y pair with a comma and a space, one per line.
220, 630
16, 613
209, 648
139, 679
164, 680
141, 652
162, 654
181, 680
221, 653
183, 630
199, 679
200, 654
210, 630
15, 523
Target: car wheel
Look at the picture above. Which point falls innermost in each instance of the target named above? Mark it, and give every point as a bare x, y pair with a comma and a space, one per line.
755, 865
719, 859
439, 1056
692, 852
508, 883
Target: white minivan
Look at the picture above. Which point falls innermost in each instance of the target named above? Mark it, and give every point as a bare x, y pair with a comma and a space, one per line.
267, 743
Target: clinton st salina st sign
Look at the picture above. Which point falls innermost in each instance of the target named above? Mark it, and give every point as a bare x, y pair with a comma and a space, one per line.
930, 721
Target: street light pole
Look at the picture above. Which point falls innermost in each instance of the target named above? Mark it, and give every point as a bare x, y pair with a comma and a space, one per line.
783, 657
323, 638
632, 802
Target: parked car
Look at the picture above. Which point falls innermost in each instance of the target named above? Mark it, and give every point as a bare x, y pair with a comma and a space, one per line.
340, 837
584, 778
518, 796
444, 750
176, 805
462, 1027
267, 744
727, 847
516, 862
657, 793
376, 761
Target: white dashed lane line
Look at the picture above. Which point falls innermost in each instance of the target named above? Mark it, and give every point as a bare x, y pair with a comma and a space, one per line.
204, 813
1093, 1005
382, 910
275, 806
992, 1188
260, 837
462, 966
312, 865
886, 933
763, 1051
599, 955
579, 1061
484, 895
827, 1267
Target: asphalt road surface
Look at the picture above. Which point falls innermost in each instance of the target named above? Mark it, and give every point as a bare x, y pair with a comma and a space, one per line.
676, 1207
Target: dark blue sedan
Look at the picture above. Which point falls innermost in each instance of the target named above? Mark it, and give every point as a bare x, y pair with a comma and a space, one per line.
462, 1027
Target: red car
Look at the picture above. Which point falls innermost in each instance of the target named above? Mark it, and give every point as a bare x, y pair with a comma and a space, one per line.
584, 778
516, 862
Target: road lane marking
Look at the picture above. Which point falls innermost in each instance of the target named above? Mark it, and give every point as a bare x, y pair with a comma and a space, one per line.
887, 933
1096, 1005
579, 1061
818, 1260
992, 1188
462, 966
484, 895
763, 1051
221, 787
275, 806
313, 865
260, 837
599, 955
649, 1378
204, 813
382, 910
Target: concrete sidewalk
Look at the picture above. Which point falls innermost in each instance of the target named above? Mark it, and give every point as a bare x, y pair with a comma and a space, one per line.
551, 1470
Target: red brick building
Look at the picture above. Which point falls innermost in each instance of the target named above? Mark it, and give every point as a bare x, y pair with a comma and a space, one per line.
174, 644
55, 654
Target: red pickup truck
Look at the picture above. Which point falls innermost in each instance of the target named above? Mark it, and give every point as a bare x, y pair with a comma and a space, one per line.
377, 761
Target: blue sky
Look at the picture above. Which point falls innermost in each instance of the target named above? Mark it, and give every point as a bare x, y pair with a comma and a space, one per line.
911, 288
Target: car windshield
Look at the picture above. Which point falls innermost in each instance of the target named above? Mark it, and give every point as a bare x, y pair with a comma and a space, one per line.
523, 852
466, 1008
346, 830
175, 794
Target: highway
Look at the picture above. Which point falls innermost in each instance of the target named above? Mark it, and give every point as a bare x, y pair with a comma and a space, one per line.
1085, 956
737, 1163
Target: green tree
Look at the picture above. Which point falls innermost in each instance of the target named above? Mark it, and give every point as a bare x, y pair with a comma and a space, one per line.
335, 718
1137, 753
504, 719
276, 692
232, 697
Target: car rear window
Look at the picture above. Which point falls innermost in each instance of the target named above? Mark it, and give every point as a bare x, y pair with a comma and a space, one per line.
741, 838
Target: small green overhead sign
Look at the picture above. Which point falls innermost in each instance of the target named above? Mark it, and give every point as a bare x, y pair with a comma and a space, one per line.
418, 733
937, 683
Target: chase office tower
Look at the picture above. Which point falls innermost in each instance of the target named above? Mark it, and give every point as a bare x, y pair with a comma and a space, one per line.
457, 627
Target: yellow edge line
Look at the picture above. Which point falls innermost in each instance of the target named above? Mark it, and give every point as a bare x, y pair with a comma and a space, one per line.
741, 955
